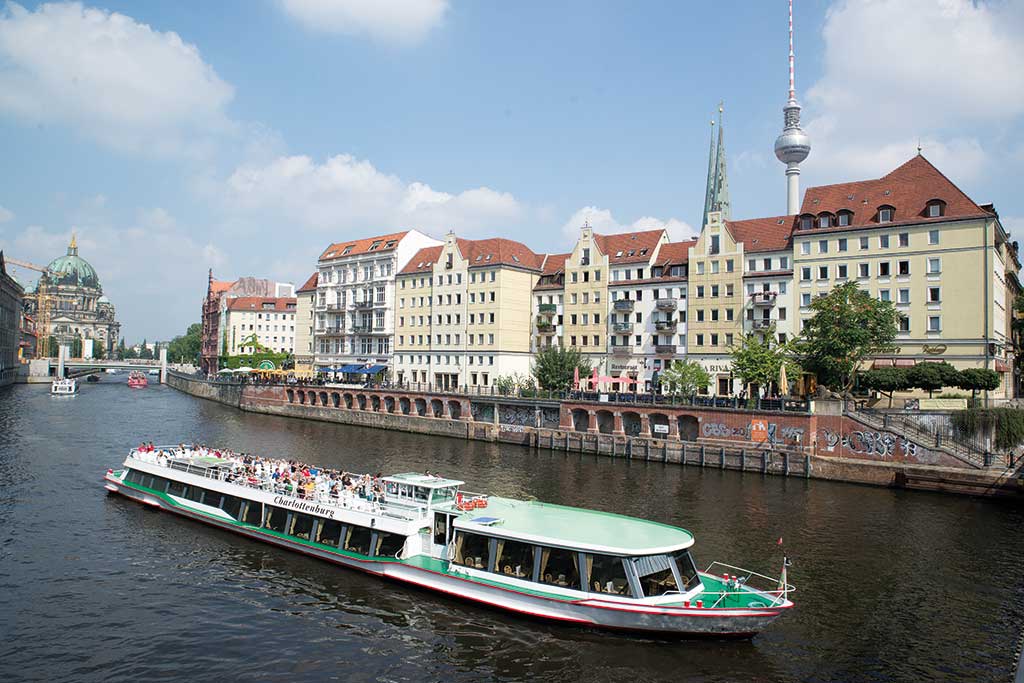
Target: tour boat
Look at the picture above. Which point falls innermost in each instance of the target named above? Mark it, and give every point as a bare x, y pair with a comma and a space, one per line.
92, 378
137, 380
64, 387
571, 565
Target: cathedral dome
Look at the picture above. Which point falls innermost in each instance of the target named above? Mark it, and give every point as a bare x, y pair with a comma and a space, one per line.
77, 271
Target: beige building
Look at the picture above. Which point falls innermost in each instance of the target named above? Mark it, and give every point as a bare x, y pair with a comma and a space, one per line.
305, 303
464, 312
267, 321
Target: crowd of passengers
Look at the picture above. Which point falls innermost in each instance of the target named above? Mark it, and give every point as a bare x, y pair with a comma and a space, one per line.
287, 477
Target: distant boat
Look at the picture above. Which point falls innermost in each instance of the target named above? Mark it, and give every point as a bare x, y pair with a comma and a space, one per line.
92, 378
154, 372
64, 387
136, 380
111, 371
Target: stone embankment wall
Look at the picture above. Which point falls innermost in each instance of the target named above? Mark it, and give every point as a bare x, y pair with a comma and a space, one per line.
819, 444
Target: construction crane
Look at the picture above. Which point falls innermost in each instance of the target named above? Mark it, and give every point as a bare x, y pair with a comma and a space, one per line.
43, 303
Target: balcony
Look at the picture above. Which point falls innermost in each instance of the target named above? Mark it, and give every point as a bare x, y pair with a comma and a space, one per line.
666, 304
334, 306
363, 305
622, 350
666, 325
362, 329
622, 327
763, 324
665, 349
331, 331
623, 305
545, 327
547, 309
763, 298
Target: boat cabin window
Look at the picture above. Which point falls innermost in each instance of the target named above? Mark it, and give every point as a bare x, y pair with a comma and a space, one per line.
301, 526
420, 494
176, 488
443, 495
440, 528
232, 505
253, 513
134, 477
559, 567
472, 550
655, 572
514, 558
195, 494
687, 571
388, 545
329, 532
606, 574
276, 518
357, 540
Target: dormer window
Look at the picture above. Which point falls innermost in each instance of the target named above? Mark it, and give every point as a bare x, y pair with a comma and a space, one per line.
806, 222
935, 208
825, 221
886, 214
844, 218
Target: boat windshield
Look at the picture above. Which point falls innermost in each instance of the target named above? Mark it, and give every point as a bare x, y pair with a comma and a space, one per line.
656, 575
687, 571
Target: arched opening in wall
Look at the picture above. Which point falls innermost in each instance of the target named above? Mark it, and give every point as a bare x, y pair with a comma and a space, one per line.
454, 410
375, 403
349, 401
580, 419
689, 428
335, 399
312, 398
659, 425
421, 407
389, 404
291, 395
436, 408
605, 421
631, 424
323, 398
361, 401
302, 397
404, 406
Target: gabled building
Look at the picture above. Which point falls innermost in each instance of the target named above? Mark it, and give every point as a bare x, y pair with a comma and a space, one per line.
250, 323
305, 322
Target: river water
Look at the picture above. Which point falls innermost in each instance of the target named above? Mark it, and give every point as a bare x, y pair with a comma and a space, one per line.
892, 585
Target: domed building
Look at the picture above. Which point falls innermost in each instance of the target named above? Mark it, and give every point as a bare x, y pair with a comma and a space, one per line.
75, 306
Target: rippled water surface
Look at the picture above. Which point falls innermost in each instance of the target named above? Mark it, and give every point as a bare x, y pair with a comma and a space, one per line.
892, 585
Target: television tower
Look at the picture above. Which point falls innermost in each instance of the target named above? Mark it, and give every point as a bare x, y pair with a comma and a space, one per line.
793, 145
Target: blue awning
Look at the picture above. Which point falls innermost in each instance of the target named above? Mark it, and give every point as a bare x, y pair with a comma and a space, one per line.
350, 368
374, 369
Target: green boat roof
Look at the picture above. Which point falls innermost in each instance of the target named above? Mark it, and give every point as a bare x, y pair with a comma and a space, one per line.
425, 480
558, 525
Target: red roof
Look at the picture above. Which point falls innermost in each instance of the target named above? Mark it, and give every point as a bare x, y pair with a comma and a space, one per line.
256, 303
362, 246
763, 234
220, 286
554, 263
310, 285
629, 247
674, 253
479, 253
908, 189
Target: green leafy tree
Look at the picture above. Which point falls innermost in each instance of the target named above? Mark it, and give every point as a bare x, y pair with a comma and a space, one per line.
51, 349
253, 341
144, 351
886, 381
684, 377
848, 327
186, 347
979, 379
513, 384
759, 360
933, 376
99, 351
121, 350
76, 347
553, 367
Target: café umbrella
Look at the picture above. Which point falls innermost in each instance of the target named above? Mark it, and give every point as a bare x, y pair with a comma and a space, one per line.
783, 382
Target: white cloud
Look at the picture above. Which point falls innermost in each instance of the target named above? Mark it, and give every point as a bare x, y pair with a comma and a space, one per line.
602, 221
391, 21
6, 215
111, 78
345, 193
897, 70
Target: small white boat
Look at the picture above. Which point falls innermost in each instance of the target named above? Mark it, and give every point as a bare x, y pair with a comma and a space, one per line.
153, 373
64, 387
111, 371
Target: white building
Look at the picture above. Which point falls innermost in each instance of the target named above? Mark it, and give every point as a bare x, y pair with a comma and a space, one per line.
270, 319
355, 301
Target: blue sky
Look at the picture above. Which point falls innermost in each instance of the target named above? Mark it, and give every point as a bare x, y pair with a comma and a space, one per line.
245, 136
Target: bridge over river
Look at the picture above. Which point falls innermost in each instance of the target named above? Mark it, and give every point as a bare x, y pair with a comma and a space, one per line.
45, 369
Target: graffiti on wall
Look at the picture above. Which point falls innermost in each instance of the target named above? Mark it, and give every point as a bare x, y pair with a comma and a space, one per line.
760, 431
878, 444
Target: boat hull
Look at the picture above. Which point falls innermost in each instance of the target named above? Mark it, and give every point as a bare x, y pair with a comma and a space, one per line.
650, 619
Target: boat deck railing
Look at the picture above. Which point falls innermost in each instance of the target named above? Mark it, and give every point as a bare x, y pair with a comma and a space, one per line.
748, 583
346, 500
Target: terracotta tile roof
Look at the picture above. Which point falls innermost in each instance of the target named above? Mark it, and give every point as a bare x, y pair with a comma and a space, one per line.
422, 261
907, 189
310, 285
763, 234
220, 286
675, 253
362, 246
629, 247
256, 303
554, 263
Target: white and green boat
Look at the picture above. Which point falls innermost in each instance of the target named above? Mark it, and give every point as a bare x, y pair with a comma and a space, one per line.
549, 561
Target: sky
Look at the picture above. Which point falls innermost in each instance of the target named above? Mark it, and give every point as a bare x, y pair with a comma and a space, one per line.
245, 136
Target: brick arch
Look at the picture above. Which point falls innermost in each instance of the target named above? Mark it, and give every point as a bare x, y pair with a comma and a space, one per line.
375, 403
323, 398
421, 407
454, 409
605, 421
631, 423
404, 405
389, 404
291, 395
335, 399
580, 419
658, 419
689, 427
302, 398
349, 401
436, 408
361, 401
311, 396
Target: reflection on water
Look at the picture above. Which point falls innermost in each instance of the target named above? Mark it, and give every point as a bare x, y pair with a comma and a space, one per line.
892, 585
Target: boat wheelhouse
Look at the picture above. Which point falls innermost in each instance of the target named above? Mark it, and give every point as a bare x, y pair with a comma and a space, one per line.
64, 387
550, 561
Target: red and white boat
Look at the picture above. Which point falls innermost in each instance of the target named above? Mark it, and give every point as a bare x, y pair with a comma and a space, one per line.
137, 380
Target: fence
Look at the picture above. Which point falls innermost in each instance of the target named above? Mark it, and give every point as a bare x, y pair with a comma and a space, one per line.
939, 429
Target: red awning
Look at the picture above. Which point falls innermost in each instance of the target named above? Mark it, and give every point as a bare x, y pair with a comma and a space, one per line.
1001, 366
881, 363
905, 362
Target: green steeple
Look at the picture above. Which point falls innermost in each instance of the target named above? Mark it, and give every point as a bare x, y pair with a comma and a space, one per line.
716, 196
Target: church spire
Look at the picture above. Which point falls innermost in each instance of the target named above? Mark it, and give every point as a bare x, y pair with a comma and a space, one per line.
716, 195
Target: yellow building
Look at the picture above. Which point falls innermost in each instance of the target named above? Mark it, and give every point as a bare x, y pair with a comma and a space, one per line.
305, 305
464, 312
